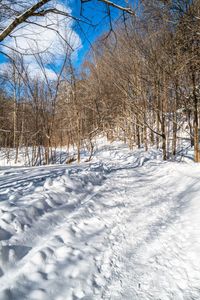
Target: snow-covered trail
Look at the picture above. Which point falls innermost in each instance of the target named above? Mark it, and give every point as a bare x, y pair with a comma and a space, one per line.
128, 228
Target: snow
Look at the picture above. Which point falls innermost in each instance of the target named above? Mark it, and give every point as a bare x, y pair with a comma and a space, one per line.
124, 226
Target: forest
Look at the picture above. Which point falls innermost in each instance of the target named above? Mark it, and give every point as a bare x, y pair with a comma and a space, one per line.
139, 82
99, 149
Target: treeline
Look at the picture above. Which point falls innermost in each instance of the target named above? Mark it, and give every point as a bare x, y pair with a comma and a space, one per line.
140, 83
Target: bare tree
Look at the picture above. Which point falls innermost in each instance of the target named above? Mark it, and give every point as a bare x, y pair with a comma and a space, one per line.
19, 12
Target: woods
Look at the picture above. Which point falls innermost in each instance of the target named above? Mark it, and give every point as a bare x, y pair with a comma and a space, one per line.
140, 83
99, 149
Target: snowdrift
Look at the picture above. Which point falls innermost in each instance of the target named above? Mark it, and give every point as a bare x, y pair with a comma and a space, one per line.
124, 226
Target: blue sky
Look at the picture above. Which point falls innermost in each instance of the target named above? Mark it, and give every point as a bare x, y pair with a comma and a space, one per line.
94, 12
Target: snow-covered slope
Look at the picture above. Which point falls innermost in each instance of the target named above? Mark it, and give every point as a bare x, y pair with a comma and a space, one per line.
124, 226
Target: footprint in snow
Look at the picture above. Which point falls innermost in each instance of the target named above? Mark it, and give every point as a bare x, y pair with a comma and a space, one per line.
4, 234
11, 254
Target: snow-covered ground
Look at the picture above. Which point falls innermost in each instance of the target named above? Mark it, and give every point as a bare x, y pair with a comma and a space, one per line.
124, 226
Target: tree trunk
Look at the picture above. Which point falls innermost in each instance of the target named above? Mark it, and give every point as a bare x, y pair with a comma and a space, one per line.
196, 127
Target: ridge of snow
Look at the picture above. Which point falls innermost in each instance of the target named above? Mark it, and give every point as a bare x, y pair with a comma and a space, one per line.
124, 226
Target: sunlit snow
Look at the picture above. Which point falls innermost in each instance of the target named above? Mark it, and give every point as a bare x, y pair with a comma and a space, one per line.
124, 226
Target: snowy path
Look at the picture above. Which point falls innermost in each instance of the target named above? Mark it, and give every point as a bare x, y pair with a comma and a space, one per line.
128, 228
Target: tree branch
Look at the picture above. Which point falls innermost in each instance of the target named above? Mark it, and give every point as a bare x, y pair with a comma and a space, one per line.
21, 18
124, 9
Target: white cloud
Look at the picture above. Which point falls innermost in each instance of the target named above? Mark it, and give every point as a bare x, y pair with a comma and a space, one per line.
49, 34
33, 70
52, 36
36, 72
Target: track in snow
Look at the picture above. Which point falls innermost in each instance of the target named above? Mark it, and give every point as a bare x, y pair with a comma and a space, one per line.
125, 229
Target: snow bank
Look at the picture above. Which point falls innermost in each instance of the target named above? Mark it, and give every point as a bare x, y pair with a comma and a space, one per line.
124, 226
